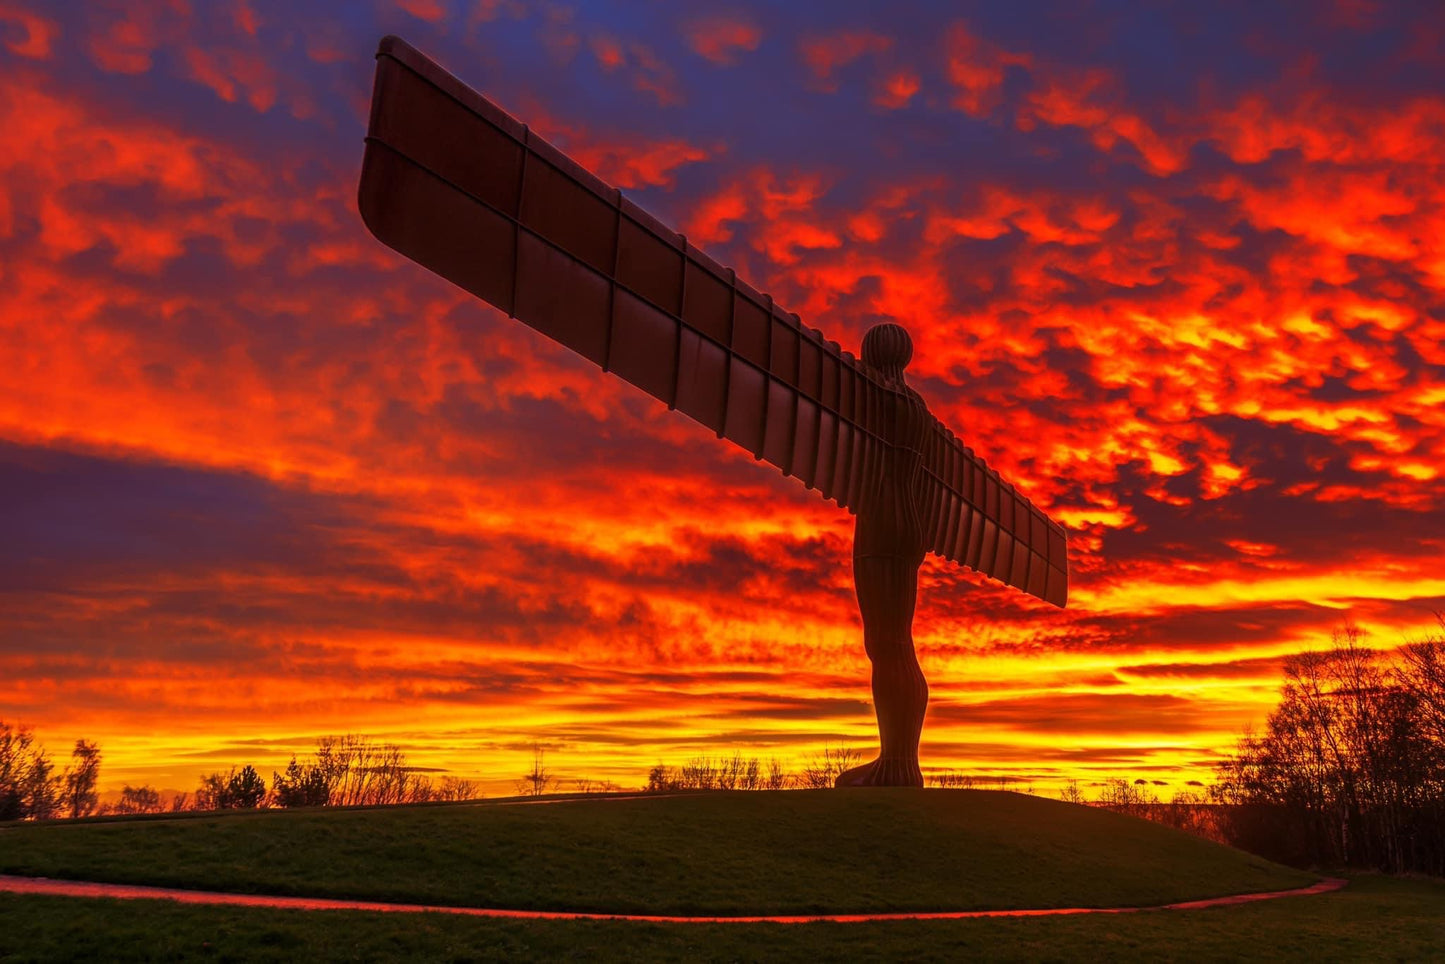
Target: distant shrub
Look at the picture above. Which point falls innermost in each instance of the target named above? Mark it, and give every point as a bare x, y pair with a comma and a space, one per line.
142, 799
823, 771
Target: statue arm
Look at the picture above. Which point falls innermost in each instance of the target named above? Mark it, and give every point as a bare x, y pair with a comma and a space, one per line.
973, 517
457, 185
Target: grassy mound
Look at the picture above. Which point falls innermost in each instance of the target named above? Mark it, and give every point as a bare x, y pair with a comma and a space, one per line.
716, 853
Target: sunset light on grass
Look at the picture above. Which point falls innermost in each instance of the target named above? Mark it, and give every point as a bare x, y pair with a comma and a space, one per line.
1182, 280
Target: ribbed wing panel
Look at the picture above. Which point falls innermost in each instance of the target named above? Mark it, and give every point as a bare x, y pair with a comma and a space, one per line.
454, 183
977, 519
457, 185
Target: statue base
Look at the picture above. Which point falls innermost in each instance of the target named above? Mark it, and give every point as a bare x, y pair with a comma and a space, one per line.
883, 772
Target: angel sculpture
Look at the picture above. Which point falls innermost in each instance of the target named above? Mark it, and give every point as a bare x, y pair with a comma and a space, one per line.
457, 185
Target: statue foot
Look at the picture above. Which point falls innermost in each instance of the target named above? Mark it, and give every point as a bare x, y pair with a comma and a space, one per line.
883, 772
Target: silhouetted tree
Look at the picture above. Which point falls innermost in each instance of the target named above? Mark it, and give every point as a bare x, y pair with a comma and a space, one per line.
14, 766
245, 790
300, 786
242, 789
1192, 813
589, 785
353, 770
42, 789
539, 779
29, 788
1350, 770
417, 788
662, 779
142, 799
1071, 793
1135, 799
734, 773
1423, 675
211, 792
457, 788
361, 772
822, 771
699, 773
80, 779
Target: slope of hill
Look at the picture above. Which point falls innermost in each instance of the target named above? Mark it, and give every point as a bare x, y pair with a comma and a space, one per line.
710, 853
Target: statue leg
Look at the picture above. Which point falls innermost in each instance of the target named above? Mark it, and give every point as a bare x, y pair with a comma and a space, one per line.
887, 593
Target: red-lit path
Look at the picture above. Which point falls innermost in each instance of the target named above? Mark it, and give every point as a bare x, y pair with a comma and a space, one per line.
77, 888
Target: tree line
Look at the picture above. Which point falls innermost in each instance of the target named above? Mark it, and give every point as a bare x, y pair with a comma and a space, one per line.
33, 788
1349, 770
1350, 767
737, 772
343, 771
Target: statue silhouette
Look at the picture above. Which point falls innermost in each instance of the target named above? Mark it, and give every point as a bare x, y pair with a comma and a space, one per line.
459, 186
888, 549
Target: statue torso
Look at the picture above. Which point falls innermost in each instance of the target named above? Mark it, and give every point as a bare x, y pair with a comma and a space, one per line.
889, 517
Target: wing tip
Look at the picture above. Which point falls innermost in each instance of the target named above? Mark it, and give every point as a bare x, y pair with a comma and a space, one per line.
391, 45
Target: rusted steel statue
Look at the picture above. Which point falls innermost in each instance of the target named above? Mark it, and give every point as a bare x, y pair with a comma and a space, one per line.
457, 185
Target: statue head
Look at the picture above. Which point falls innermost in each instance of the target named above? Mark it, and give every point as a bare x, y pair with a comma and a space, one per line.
888, 348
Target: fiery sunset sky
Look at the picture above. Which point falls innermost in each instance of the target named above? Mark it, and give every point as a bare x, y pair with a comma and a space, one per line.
1179, 274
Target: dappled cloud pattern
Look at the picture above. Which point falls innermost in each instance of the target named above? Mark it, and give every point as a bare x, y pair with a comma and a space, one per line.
1179, 277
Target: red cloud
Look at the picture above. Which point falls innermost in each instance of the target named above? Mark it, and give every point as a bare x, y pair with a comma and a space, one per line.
1089, 100
432, 11
826, 54
977, 68
246, 18
897, 89
623, 161
647, 71
608, 52
37, 32
232, 73
761, 195
721, 38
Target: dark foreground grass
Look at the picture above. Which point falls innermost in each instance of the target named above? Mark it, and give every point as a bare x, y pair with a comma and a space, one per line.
718, 853
1373, 919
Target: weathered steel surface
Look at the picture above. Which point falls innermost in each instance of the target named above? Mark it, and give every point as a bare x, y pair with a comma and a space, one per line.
459, 186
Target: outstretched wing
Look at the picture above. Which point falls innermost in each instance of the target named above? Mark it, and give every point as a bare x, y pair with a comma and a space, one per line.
975, 518
456, 184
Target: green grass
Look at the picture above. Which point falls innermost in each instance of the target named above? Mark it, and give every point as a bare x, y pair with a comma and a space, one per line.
795, 852
1373, 919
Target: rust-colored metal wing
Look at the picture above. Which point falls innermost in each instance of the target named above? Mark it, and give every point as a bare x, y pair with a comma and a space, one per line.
975, 518
456, 184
